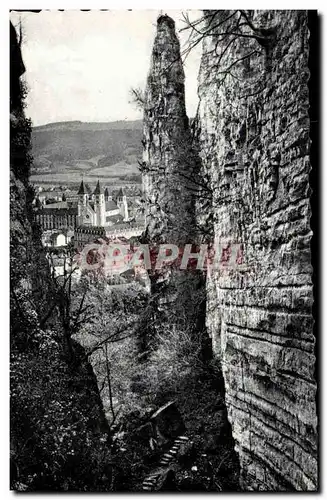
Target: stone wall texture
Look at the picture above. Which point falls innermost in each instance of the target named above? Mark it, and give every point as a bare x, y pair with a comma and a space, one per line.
253, 132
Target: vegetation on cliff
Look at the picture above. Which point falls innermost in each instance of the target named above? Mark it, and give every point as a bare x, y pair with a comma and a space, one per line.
59, 436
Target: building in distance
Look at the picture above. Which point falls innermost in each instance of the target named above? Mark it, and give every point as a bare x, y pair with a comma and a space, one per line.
93, 209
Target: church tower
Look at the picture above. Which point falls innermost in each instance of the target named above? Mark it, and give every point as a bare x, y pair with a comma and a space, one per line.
99, 206
107, 195
82, 203
122, 204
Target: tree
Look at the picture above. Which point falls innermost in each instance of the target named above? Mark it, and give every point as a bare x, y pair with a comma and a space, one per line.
137, 98
112, 332
73, 314
226, 26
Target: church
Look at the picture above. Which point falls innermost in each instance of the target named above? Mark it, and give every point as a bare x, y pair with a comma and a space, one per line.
97, 209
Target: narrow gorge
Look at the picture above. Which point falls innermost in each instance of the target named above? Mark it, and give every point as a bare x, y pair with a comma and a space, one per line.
200, 374
252, 137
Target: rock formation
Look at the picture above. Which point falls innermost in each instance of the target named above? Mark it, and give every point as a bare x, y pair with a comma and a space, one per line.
252, 131
168, 168
254, 140
167, 143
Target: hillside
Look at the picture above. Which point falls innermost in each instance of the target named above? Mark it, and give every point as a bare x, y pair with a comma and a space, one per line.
63, 151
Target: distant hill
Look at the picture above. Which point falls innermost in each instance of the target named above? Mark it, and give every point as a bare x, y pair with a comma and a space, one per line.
117, 125
65, 150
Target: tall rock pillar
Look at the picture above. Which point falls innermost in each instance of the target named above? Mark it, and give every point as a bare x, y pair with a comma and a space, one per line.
254, 122
168, 165
166, 154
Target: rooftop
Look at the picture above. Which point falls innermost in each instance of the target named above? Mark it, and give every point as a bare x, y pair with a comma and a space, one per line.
114, 218
59, 204
111, 205
82, 189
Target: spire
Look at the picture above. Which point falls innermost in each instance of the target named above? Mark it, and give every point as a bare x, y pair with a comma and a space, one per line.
106, 194
82, 188
121, 193
97, 188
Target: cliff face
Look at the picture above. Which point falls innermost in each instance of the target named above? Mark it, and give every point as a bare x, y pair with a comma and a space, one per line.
58, 430
252, 132
169, 168
253, 129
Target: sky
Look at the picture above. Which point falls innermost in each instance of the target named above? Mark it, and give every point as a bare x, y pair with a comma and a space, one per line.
82, 65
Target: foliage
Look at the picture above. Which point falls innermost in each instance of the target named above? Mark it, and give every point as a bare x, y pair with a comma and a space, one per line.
54, 442
113, 327
20, 146
137, 98
225, 26
176, 369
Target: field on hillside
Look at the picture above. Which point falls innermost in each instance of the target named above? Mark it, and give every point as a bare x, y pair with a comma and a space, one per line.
62, 152
75, 178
